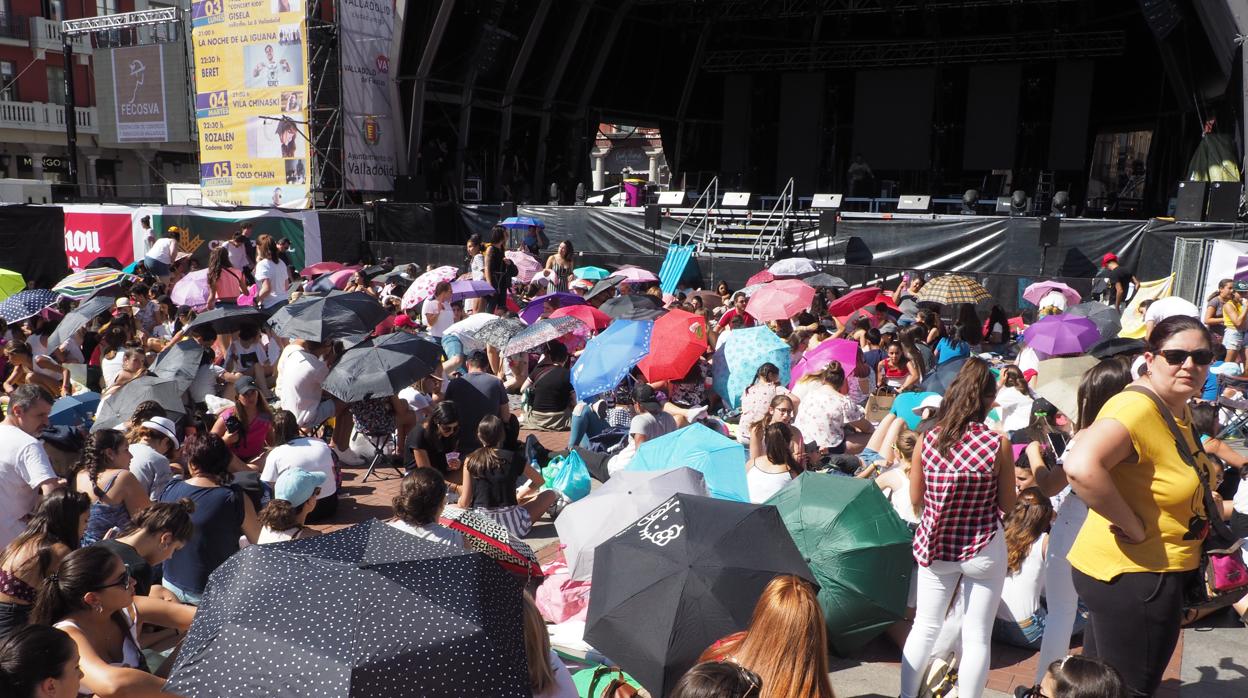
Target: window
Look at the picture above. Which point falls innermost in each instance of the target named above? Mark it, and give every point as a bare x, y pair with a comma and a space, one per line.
56, 85
8, 85
54, 10
105, 7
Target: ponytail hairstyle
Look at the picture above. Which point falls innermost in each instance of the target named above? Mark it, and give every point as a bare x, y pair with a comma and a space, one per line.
906, 441
173, 518
833, 374
1012, 377
82, 571
767, 373
1030, 518
93, 459
966, 401
486, 460
285, 428
31, 655
777, 441
54, 521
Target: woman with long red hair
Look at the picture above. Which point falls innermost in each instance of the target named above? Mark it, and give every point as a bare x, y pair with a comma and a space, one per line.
786, 643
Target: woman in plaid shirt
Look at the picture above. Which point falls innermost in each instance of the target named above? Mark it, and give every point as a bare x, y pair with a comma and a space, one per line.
962, 477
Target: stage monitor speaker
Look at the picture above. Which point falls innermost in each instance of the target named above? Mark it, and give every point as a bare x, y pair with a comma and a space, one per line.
827, 223
671, 198
736, 199
911, 203
1191, 201
507, 209
1224, 202
653, 213
1003, 205
822, 202
1050, 230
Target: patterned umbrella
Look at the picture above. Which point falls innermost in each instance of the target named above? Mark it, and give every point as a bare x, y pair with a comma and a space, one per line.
463, 290
12, 282
953, 288
763, 277
780, 300
527, 265
737, 360
1061, 335
83, 283
533, 310
632, 307
192, 290
594, 318
591, 273
609, 357
794, 266
24, 304
485, 535
635, 275
541, 332
424, 284
1033, 293
498, 332
823, 280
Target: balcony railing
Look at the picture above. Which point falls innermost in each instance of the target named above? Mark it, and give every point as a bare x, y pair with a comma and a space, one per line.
41, 116
45, 34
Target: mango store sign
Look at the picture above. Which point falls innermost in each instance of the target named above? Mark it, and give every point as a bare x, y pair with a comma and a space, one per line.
97, 231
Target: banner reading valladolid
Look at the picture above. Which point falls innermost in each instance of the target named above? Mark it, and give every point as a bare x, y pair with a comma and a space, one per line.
370, 124
251, 101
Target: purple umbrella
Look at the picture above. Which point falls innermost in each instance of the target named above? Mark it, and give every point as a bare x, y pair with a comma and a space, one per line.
463, 290
533, 311
1061, 335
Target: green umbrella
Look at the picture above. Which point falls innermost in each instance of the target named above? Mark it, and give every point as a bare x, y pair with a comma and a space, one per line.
858, 548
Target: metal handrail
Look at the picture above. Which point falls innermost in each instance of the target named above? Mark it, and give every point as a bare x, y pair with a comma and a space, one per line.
708, 198
784, 204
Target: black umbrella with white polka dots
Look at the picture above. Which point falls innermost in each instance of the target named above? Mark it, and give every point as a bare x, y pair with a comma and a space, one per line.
365, 611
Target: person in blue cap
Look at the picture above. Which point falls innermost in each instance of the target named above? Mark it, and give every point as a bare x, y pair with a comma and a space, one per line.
294, 497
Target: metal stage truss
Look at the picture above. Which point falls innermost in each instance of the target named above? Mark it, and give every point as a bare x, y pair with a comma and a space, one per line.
324, 110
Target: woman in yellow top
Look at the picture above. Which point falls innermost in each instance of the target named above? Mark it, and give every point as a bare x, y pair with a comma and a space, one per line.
1233, 319
1141, 539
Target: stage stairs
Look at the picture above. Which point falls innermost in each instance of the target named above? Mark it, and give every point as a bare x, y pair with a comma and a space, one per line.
738, 233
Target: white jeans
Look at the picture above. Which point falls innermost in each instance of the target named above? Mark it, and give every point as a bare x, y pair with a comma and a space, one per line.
981, 579
1059, 590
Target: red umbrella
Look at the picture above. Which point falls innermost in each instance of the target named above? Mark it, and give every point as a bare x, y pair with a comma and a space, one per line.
676, 342
852, 301
320, 268
780, 300
761, 277
588, 314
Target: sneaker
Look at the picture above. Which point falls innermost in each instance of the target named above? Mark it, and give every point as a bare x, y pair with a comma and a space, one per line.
348, 457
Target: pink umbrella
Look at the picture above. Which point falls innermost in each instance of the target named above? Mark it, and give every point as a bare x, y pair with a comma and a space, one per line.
526, 265
320, 268
424, 284
780, 300
1040, 289
844, 350
635, 275
588, 314
761, 277
341, 277
192, 290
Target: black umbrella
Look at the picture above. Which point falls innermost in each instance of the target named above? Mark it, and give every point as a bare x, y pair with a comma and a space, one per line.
78, 318
604, 285
1115, 346
180, 362
325, 318
680, 578
228, 318
633, 307
381, 367
368, 611
1108, 320
105, 263
119, 407
941, 377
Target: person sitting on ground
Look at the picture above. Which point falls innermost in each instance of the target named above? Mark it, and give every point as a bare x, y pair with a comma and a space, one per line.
771, 472
54, 530
244, 427
687, 397
435, 443
133, 365
718, 680
103, 474
154, 535
419, 503
152, 443
1020, 616
882, 451
649, 421
222, 513
548, 676
1080, 677
757, 399
896, 372
492, 475
826, 412
250, 355
291, 451
37, 661
23, 372
895, 481
549, 386
91, 598
782, 410
294, 497
795, 668
476, 395
301, 371
1014, 399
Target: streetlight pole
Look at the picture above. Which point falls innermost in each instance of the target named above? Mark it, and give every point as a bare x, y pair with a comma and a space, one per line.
71, 116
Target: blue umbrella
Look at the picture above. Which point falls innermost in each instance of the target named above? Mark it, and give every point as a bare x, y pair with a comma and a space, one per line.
591, 273
133, 267
533, 310
740, 355
522, 222
74, 410
24, 304
609, 357
720, 459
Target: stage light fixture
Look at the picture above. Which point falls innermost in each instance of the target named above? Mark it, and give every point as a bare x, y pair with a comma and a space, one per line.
969, 199
826, 202
1061, 204
1018, 203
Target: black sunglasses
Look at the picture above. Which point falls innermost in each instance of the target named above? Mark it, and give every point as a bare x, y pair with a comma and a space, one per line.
123, 581
1177, 357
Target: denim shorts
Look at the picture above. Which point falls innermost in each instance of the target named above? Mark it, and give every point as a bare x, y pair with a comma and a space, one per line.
1232, 339
452, 346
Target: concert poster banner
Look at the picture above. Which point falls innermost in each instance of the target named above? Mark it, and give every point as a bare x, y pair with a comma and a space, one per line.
139, 92
369, 94
93, 231
251, 102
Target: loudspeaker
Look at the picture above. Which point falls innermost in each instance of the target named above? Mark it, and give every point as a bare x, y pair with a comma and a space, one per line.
507, 209
914, 203
1224, 202
827, 223
1050, 230
1191, 201
652, 217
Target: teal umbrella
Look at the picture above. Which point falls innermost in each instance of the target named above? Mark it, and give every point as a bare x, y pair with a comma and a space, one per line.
720, 459
858, 548
591, 273
740, 355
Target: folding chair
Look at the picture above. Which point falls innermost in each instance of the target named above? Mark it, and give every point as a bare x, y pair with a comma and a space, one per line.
378, 427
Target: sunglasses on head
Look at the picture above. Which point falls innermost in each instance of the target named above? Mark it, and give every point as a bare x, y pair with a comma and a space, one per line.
1177, 357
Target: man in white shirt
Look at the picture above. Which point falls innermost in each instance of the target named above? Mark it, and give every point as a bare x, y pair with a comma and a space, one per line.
436, 311
25, 471
649, 422
300, 374
1162, 308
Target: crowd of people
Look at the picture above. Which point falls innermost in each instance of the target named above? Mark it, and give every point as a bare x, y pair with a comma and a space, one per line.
1032, 523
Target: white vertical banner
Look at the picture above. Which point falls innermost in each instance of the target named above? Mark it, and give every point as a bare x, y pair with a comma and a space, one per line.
139, 85
371, 122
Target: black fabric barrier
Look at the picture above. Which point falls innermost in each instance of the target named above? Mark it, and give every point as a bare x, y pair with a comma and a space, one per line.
32, 243
342, 235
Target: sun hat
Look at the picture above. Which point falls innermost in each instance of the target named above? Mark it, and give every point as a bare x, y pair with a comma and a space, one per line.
165, 426
929, 402
296, 486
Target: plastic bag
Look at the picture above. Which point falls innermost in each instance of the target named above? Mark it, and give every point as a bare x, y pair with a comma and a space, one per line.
571, 479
